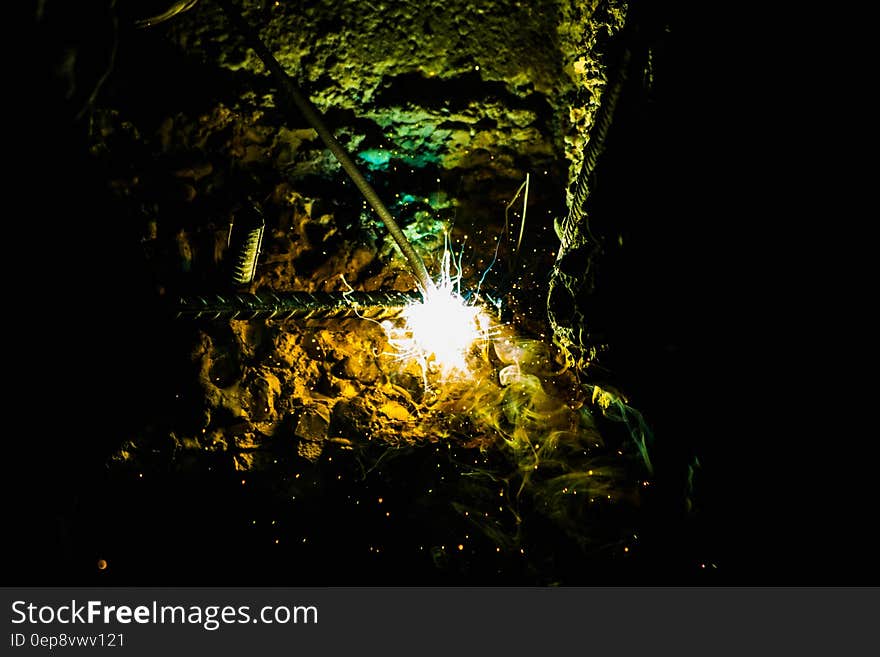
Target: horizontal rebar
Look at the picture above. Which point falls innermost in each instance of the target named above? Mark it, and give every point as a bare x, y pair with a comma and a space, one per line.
301, 306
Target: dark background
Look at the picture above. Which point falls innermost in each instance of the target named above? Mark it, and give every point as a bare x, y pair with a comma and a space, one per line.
692, 309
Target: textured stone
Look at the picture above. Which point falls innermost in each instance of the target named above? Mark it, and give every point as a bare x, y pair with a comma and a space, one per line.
395, 411
439, 82
350, 420
444, 105
309, 450
311, 427
264, 391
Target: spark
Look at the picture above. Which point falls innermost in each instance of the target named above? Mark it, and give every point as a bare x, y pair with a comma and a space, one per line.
440, 331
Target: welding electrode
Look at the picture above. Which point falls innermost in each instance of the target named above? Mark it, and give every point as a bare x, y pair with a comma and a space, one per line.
311, 114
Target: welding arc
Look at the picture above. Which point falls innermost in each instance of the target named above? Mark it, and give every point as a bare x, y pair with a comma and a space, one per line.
302, 306
314, 119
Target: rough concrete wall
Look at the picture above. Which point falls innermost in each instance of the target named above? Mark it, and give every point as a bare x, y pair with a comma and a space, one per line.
498, 87
446, 106
441, 79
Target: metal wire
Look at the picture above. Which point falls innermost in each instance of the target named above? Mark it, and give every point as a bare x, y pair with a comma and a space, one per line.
302, 306
314, 119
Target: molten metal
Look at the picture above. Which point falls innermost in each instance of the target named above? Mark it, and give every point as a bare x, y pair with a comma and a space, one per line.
440, 330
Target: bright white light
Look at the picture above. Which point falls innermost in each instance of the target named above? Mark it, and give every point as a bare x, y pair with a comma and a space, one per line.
443, 329
440, 331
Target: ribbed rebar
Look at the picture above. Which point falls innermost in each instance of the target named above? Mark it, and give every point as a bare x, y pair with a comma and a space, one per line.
313, 117
594, 148
302, 306
572, 270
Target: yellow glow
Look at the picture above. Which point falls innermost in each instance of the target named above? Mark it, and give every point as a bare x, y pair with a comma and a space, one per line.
440, 331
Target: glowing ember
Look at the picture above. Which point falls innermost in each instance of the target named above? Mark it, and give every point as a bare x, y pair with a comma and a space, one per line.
440, 331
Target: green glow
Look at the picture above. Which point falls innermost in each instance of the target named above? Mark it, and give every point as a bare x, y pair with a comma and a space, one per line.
375, 158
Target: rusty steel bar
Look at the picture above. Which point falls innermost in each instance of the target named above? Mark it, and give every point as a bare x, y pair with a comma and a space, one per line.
313, 117
302, 306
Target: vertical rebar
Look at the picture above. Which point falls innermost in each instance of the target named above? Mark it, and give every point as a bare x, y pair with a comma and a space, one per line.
244, 243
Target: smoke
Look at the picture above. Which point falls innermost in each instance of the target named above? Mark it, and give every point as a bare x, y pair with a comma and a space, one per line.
543, 452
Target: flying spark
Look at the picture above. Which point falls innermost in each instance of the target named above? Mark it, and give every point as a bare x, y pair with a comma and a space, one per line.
440, 331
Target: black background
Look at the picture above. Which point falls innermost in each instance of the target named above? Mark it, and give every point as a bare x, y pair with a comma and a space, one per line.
704, 324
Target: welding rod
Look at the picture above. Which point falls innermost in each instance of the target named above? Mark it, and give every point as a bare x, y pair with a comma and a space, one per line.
301, 306
314, 119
